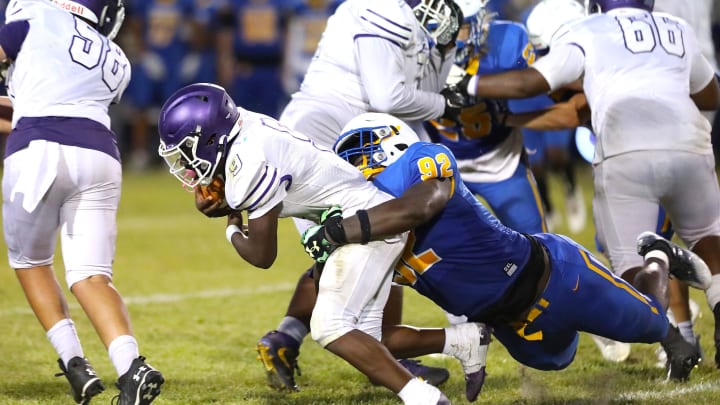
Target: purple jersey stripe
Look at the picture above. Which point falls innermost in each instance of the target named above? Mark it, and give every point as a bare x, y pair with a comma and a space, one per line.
405, 38
80, 132
12, 36
377, 36
402, 27
270, 187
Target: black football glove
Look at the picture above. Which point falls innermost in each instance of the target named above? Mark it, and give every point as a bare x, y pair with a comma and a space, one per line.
316, 244
315, 240
455, 101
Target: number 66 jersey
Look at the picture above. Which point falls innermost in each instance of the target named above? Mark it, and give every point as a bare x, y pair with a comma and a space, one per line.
46, 42
639, 69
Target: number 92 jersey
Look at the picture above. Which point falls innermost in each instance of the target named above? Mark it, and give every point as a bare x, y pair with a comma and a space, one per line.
463, 259
65, 68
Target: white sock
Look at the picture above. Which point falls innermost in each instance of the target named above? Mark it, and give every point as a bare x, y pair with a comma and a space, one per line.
658, 254
460, 341
293, 327
686, 330
418, 392
713, 293
122, 351
65, 340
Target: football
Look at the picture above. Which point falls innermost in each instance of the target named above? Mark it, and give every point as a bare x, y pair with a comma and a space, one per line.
214, 190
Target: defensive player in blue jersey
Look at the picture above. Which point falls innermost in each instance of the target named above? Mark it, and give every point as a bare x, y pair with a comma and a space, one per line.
536, 291
490, 153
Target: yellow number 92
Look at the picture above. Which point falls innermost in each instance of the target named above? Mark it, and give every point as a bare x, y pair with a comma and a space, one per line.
434, 168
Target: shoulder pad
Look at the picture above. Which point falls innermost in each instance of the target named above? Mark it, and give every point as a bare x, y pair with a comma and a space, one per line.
19, 10
390, 19
510, 44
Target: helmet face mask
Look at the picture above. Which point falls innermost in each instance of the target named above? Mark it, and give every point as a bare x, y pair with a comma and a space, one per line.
602, 6
437, 18
107, 15
373, 141
196, 125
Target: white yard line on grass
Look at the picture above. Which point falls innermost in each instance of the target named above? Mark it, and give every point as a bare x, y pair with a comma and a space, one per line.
661, 394
165, 298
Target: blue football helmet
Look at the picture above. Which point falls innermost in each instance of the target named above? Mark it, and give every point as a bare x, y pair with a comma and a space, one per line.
107, 15
196, 125
602, 6
373, 141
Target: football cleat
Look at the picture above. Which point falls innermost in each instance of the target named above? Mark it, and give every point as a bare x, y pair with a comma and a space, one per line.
684, 264
140, 385
473, 357
83, 380
443, 400
432, 375
682, 355
278, 352
612, 350
576, 211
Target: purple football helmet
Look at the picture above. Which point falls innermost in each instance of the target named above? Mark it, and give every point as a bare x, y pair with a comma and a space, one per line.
107, 15
196, 124
601, 6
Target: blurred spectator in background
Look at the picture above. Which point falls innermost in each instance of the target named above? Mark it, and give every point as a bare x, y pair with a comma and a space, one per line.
171, 46
304, 30
250, 46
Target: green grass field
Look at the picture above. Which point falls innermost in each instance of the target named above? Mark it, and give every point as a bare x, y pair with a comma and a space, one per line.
198, 310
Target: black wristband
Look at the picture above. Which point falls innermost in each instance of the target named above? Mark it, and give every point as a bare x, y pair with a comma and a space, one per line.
334, 229
364, 226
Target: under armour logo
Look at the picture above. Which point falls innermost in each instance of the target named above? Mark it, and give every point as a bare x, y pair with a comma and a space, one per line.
152, 387
312, 249
140, 371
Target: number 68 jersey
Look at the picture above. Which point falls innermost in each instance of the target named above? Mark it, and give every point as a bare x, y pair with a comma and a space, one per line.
639, 71
63, 66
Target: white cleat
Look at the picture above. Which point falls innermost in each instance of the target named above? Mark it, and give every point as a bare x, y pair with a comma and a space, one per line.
612, 350
576, 211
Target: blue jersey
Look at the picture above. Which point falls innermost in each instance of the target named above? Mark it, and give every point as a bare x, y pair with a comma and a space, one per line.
463, 246
507, 48
465, 261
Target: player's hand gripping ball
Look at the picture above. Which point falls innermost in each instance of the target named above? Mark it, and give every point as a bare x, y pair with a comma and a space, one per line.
210, 199
215, 190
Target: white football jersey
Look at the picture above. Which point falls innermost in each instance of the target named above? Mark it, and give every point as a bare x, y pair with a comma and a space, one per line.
269, 164
639, 71
697, 13
98, 73
374, 56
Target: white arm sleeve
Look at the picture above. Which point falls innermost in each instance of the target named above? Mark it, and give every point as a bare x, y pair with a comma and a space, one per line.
382, 66
701, 70
563, 65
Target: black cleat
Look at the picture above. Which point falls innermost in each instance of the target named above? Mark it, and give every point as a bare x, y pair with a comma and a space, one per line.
140, 385
432, 375
278, 352
684, 264
682, 355
83, 380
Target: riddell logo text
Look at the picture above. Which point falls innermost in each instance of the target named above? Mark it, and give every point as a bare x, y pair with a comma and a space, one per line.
71, 7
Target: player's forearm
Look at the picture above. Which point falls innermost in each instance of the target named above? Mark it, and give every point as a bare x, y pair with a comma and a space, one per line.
554, 118
418, 204
514, 84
